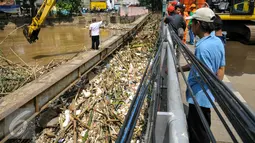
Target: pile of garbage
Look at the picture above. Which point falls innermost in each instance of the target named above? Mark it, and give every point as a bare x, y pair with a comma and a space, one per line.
97, 112
118, 26
14, 76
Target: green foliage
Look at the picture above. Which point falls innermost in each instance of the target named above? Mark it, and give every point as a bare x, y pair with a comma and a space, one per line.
69, 5
151, 4
64, 4
145, 2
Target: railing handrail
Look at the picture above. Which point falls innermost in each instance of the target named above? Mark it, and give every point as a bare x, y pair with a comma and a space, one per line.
177, 122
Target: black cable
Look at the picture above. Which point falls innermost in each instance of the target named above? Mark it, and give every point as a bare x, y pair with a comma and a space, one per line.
240, 127
209, 71
142, 95
145, 76
213, 76
200, 113
214, 106
202, 86
133, 102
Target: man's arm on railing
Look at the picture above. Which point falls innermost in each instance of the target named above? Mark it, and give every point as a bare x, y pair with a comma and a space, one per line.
184, 68
221, 72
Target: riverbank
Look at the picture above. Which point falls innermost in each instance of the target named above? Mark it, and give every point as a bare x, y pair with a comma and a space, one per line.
14, 22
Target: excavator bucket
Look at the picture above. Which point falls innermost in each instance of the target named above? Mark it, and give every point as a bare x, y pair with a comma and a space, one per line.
33, 37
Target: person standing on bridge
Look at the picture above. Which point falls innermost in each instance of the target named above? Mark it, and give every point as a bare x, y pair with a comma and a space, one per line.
210, 51
191, 34
184, 14
176, 20
94, 32
218, 29
178, 8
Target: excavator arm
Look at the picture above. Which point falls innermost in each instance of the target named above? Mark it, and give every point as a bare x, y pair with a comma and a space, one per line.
31, 31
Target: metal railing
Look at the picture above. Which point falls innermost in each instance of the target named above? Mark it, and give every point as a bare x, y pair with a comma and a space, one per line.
242, 119
166, 121
146, 83
174, 119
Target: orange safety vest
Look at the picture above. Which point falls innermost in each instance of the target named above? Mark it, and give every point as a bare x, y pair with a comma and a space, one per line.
185, 30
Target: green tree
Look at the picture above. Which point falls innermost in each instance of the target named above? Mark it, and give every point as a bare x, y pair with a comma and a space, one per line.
69, 5
154, 5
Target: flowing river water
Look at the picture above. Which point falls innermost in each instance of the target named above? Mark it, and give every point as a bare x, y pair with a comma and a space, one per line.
59, 42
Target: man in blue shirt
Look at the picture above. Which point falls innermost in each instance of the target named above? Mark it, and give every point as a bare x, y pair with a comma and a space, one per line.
210, 51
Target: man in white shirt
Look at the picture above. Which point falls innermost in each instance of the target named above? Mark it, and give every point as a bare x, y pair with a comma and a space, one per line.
94, 32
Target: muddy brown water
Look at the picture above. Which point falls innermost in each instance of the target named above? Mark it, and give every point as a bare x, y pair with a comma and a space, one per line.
240, 59
59, 42
240, 69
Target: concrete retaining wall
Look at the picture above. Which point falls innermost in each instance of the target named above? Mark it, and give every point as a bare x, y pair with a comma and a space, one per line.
12, 23
133, 11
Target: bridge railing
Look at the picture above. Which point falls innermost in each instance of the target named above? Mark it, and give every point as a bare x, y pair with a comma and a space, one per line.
241, 117
173, 120
166, 120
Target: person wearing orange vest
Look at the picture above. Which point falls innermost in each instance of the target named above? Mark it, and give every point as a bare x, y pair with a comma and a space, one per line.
184, 15
191, 34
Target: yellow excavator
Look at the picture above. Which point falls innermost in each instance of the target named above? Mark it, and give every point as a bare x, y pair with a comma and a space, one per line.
238, 17
31, 31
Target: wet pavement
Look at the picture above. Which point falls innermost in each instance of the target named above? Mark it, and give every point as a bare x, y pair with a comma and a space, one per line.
59, 42
240, 69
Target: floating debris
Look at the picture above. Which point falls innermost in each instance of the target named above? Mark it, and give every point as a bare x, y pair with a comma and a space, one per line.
118, 26
105, 101
14, 76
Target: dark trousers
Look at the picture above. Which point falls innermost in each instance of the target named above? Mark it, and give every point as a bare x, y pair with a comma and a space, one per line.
95, 40
191, 36
197, 133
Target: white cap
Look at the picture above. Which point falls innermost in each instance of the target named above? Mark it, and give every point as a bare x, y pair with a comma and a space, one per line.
203, 14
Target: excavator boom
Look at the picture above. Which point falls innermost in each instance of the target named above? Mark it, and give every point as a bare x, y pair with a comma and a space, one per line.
31, 31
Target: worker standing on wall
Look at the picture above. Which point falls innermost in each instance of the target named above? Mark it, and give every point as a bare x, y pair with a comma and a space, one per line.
94, 31
191, 34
